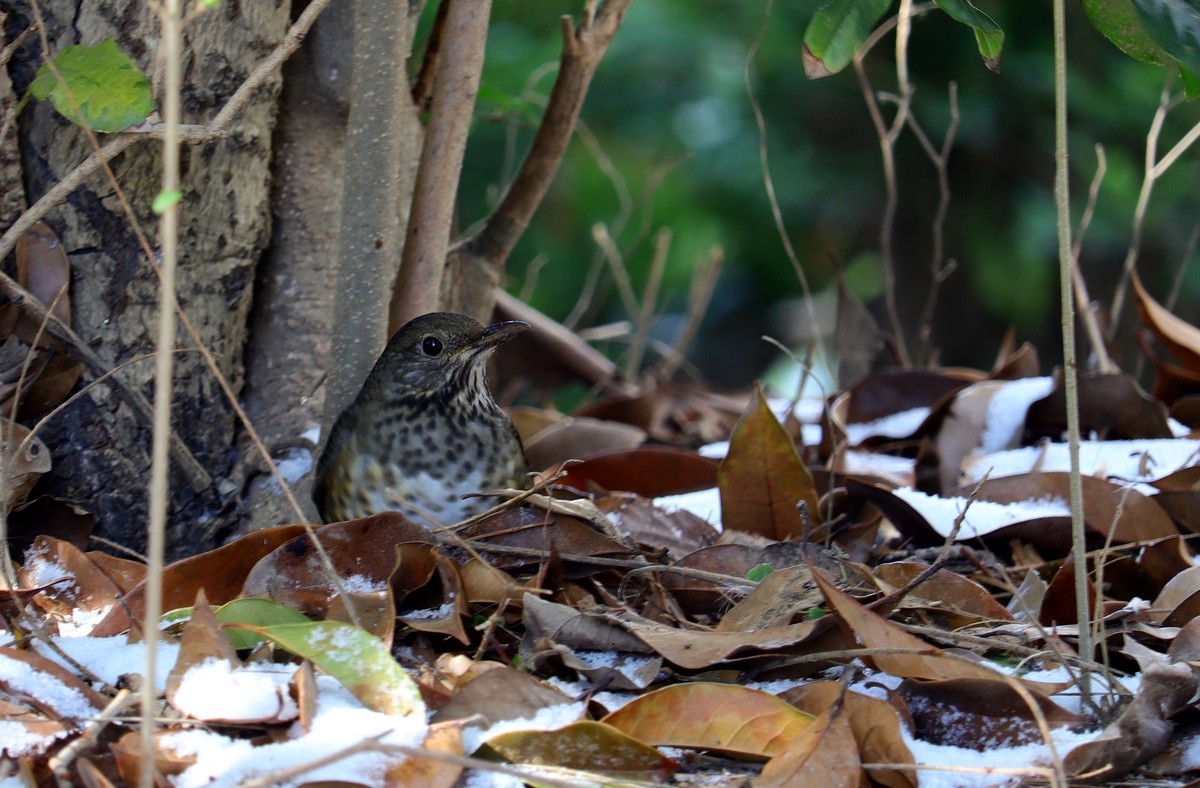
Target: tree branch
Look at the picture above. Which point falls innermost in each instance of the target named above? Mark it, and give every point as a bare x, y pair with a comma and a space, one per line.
583, 49
455, 87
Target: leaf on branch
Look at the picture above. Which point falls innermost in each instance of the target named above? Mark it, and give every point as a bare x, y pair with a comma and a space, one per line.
1175, 26
988, 35
97, 86
835, 33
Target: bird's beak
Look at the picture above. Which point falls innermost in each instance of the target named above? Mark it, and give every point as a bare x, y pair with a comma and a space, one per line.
499, 333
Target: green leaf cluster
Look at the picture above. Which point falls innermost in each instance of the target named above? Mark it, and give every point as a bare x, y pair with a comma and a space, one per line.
840, 27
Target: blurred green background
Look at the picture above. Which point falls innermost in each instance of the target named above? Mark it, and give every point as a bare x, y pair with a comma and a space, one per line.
670, 114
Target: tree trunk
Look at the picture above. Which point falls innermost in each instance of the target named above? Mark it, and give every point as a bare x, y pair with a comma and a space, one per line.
99, 446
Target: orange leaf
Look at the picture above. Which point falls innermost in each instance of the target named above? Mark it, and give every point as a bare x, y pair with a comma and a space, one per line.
709, 716
824, 754
762, 478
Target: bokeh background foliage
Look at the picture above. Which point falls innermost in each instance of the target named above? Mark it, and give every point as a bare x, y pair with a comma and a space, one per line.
671, 141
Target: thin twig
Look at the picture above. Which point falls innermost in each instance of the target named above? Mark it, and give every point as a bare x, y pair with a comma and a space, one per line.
769, 184
704, 283
1104, 363
645, 318
1062, 201
171, 56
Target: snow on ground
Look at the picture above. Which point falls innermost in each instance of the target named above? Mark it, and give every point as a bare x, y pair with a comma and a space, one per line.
547, 719
969, 767
341, 721
705, 504
1133, 461
895, 425
1007, 409
982, 517
111, 658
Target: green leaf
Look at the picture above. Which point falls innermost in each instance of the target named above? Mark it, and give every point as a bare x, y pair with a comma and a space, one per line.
835, 33
1175, 26
111, 93
1118, 21
166, 199
248, 611
757, 573
1191, 84
988, 35
353, 656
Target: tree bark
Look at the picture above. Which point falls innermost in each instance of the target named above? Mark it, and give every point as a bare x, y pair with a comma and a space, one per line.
99, 445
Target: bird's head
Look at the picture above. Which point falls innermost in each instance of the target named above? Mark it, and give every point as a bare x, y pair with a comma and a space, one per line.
441, 350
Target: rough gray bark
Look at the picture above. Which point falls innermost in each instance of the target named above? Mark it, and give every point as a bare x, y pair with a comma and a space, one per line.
382, 147
289, 344
99, 445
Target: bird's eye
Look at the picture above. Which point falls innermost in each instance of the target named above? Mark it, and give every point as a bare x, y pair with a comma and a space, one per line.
431, 346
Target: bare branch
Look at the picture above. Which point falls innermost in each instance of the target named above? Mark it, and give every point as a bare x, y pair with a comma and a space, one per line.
583, 49
455, 86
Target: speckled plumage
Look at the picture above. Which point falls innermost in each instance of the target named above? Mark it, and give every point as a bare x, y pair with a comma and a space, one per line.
424, 430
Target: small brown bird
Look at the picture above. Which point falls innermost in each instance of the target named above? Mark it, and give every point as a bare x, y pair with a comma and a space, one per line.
424, 430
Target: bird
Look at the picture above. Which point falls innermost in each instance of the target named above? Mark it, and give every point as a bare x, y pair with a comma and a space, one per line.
424, 429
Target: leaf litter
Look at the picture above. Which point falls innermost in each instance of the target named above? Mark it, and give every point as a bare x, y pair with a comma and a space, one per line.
873, 590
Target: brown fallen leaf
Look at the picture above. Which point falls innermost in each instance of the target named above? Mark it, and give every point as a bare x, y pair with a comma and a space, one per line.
696, 650
500, 694
727, 718
762, 479
219, 572
878, 731
649, 471
825, 753
1142, 729
876, 632
945, 595
968, 712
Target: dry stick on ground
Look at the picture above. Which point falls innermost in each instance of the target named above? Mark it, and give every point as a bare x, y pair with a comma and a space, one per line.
196, 475
769, 186
592, 366
1104, 364
455, 85
482, 256
1155, 169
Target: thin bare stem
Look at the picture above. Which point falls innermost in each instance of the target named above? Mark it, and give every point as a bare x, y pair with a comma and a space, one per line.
703, 285
1185, 261
1062, 200
1104, 363
658, 266
164, 369
769, 185
1139, 211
